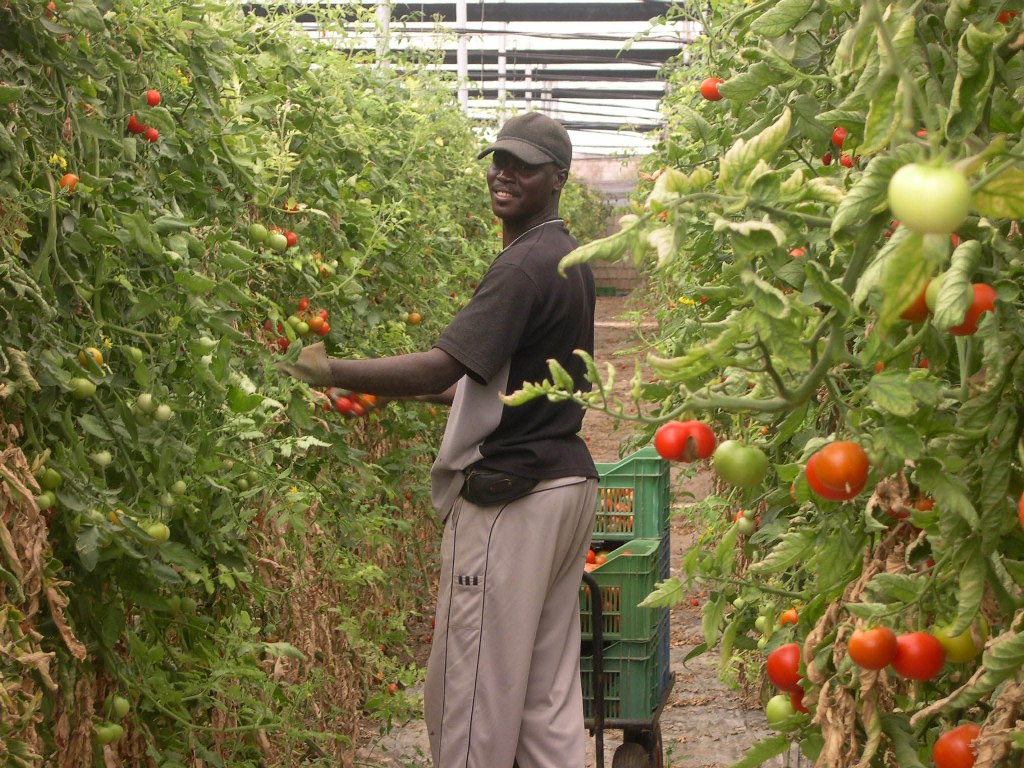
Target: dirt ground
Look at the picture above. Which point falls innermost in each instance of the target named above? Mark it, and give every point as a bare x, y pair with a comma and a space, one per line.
705, 723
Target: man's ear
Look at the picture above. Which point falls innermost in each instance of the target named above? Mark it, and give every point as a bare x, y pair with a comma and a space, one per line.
561, 177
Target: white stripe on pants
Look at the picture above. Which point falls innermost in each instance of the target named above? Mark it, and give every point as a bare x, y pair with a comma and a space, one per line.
503, 678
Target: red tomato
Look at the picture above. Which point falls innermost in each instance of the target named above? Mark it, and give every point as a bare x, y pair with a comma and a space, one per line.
324, 329
68, 182
919, 656
684, 441
1005, 16
292, 239
838, 136
152, 97
783, 667
789, 616
709, 89
283, 343
796, 253
984, 301
357, 409
134, 126
872, 648
826, 159
796, 698
591, 556
323, 313
342, 405
843, 466
152, 134
303, 303
953, 748
823, 490
846, 161
918, 310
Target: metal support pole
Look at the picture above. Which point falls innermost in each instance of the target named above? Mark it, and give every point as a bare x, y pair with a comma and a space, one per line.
383, 29
462, 56
502, 69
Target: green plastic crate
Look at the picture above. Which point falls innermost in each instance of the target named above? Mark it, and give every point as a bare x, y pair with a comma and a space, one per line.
635, 676
633, 498
624, 580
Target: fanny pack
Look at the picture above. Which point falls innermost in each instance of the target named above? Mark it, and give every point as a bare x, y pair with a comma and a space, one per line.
487, 487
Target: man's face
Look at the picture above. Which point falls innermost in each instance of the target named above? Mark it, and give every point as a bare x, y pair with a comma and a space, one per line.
520, 191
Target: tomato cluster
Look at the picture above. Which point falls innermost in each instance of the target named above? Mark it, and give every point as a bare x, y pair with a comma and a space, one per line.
274, 238
135, 127
304, 321
348, 403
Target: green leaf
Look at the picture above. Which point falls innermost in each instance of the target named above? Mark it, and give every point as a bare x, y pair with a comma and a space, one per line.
752, 83
763, 751
744, 155
781, 18
193, 281
794, 547
894, 588
971, 590
10, 93
948, 490
85, 14
900, 439
972, 88
884, 116
284, 649
751, 238
666, 593
905, 743
1002, 196
87, 545
955, 295
832, 294
94, 427
891, 392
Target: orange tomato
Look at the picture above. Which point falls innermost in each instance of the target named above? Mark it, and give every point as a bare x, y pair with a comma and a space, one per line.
68, 182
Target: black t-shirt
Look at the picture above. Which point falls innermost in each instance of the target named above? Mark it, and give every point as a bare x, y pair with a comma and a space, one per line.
522, 314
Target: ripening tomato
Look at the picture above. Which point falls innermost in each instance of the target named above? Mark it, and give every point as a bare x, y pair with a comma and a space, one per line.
709, 89
919, 656
984, 301
151, 135
783, 667
316, 323
152, 97
953, 748
843, 467
873, 648
838, 136
965, 646
68, 182
788, 616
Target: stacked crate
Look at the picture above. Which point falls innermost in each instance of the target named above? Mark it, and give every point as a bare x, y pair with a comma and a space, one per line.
632, 515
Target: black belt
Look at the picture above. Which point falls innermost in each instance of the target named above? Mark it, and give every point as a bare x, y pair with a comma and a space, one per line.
487, 487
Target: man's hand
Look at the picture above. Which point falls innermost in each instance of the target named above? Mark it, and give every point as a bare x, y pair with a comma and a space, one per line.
311, 366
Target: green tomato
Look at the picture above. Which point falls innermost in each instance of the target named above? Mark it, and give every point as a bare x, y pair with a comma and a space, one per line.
929, 199
82, 389
145, 403
188, 605
134, 354
962, 648
302, 328
740, 464
738, 603
258, 233
206, 344
159, 531
50, 479
746, 526
163, 413
108, 734
277, 242
118, 706
167, 499
101, 458
294, 321
45, 500
761, 623
179, 487
778, 709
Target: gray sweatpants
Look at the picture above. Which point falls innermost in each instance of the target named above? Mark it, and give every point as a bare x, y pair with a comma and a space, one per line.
503, 678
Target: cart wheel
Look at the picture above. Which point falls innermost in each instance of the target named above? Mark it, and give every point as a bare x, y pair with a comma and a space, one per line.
630, 755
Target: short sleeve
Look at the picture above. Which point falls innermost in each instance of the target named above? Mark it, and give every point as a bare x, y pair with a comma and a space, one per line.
485, 333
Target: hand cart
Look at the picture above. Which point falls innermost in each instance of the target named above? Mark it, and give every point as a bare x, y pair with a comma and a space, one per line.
642, 746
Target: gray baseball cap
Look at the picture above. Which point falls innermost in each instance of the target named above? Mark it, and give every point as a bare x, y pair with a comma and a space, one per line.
535, 139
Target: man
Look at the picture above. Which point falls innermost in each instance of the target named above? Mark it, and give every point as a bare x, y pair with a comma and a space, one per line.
515, 486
